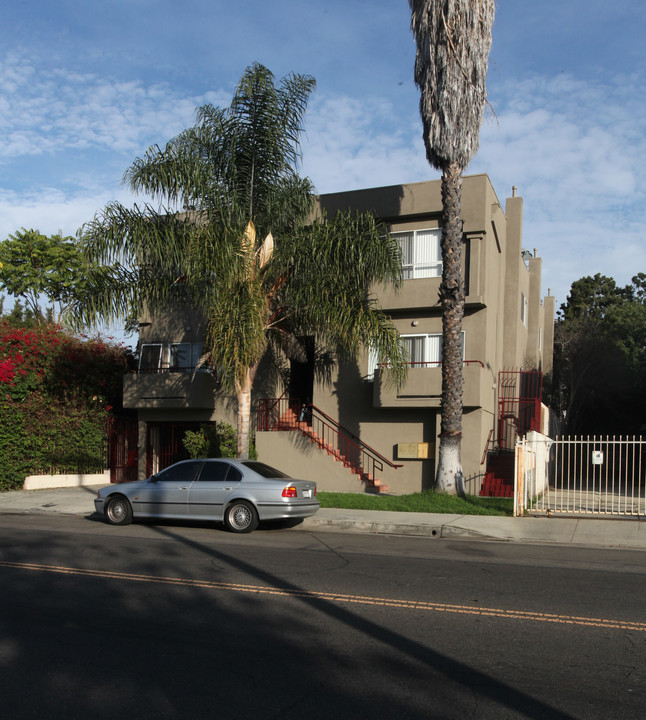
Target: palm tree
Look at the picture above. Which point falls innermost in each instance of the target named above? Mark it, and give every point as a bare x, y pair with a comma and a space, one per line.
453, 39
245, 250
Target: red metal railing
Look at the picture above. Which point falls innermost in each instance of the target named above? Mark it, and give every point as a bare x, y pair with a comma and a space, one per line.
292, 414
487, 444
519, 404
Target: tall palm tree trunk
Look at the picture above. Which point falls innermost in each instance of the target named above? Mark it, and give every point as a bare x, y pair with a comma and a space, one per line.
453, 38
449, 476
243, 396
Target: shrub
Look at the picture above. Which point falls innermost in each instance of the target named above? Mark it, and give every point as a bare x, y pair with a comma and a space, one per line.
56, 392
214, 440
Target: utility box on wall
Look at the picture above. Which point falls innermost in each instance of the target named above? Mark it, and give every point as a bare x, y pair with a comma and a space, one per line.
415, 451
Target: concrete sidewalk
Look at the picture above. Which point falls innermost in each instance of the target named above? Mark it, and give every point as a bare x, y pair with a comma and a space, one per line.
558, 530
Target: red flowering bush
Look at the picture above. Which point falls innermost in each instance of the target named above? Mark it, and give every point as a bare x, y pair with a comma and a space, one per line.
7, 371
55, 394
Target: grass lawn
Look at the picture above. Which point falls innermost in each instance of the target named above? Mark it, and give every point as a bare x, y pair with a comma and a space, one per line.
429, 502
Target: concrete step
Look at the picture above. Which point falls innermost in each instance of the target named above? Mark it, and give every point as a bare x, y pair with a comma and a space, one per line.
494, 486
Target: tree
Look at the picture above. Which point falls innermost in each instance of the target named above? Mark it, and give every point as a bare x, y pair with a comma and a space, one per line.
453, 38
33, 265
600, 357
18, 316
592, 297
244, 250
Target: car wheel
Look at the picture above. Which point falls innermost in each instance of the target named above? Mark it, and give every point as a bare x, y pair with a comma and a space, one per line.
241, 517
118, 511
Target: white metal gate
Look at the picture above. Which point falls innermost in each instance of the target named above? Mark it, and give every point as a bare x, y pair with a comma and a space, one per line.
600, 476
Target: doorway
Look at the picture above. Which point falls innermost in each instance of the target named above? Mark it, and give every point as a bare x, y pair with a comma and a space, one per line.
301, 374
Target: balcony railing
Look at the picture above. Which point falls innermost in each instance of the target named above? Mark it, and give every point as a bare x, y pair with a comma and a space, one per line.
434, 364
423, 386
165, 370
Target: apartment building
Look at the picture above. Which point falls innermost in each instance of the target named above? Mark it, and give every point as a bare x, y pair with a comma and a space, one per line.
352, 431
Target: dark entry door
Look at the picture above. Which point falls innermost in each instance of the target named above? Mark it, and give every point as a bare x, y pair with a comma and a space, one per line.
301, 375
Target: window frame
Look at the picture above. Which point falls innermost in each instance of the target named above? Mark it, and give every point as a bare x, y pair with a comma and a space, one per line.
419, 267
166, 357
373, 360
427, 350
160, 357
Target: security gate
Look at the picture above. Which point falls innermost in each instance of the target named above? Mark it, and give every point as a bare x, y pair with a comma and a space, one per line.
123, 442
581, 476
164, 445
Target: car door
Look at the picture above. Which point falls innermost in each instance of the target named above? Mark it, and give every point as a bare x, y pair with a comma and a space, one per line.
211, 489
166, 493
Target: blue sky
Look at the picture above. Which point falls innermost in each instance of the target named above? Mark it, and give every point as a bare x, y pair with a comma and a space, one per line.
86, 86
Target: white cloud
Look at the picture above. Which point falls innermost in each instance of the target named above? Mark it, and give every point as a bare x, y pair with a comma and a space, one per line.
573, 148
357, 144
53, 110
50, 210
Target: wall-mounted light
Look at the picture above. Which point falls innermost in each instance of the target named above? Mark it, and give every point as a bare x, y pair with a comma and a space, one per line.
415, 323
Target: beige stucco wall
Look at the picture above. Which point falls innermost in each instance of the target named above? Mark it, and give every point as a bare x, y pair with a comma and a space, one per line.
495, 336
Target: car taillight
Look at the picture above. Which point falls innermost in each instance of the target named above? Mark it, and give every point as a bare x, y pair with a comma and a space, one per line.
290, 491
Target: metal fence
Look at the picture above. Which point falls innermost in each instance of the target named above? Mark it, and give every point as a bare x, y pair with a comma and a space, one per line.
581, 475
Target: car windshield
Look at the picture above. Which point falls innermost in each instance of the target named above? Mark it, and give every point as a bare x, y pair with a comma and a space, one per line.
265, 470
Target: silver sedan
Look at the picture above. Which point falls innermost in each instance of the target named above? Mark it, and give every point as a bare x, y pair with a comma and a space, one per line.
238, 493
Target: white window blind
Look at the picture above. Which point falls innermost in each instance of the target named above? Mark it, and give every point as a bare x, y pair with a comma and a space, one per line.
421, 253
425, 349
422, 350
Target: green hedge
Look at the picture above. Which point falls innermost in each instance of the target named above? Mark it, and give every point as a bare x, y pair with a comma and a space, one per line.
56, 393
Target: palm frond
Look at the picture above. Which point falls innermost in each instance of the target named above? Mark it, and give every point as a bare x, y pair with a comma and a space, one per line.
236, 334
453, 39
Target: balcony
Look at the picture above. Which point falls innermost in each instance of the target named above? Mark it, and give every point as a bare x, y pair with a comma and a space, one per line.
413, 294
423, 387
170, 390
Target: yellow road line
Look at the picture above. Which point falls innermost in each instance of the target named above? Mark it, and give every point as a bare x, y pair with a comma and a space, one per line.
338, 597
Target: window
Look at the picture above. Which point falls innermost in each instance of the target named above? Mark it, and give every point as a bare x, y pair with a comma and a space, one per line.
219, 472
180, 356
150, 358
523, 309
421, 253
176, 357
265, 470
181, 472
425, 349
373, 361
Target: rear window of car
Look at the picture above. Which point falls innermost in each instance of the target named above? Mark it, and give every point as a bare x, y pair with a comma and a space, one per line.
265, 470
214, 472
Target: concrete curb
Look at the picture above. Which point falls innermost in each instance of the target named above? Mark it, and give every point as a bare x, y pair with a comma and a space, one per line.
626, 533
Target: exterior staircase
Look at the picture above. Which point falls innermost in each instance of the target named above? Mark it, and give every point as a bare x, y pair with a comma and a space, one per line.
499, 476
519, 410
285, 414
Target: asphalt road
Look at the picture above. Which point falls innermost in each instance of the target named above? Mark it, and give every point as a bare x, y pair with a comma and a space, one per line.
171, 621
